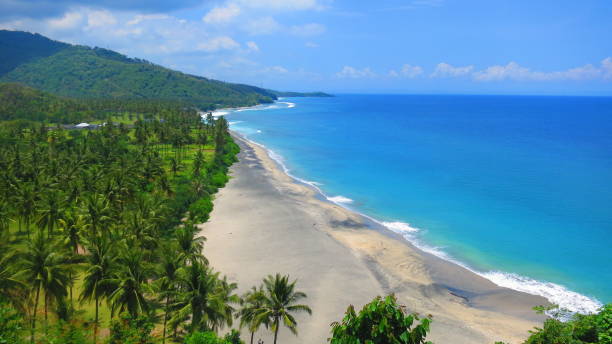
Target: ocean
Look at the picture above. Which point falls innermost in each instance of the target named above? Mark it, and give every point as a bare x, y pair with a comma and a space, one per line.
516, 188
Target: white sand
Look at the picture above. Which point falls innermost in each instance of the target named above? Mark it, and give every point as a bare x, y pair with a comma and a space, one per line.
264, 222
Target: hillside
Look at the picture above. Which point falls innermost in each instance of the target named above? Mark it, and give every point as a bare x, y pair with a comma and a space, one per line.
83, 72
18, 47
20, 102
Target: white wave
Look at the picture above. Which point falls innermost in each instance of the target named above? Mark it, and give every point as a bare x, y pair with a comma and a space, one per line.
289, 104
259, 131
340, 199
400, 227
235, 122
554, 293
219, 113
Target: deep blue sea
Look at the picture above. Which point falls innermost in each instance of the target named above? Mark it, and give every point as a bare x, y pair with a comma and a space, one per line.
516, 188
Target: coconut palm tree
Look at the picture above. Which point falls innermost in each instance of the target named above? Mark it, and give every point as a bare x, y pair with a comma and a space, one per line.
44, 267
280, 300
190, 245
130, 282
224, 299
51, 210
97, 211
10, 282
250, 302
25, 201
166, 284
99, 261
197, 285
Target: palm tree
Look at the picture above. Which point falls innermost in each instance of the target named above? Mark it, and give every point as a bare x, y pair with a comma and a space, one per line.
224, 298
10, 281
44, 267
190, 245
279, 301
251, 301
168, 279
197, 283
97, 211
130, 283
25, 199
51, 210
99, 261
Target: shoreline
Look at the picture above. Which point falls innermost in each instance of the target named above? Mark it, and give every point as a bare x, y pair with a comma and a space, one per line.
554, 293
467, 308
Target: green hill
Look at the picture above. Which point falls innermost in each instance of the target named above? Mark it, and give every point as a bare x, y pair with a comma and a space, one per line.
83, 72
17, 47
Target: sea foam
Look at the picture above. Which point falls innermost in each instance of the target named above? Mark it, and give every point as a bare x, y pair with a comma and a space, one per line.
340, 199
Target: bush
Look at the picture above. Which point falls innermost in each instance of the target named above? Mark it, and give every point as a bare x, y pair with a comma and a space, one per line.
199, 211
212, 338
11, 325
130, 330
581, 329
379, 322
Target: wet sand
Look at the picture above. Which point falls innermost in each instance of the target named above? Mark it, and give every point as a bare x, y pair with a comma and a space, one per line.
265, 222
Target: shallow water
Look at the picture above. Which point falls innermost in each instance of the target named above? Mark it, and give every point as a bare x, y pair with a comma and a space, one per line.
518, 189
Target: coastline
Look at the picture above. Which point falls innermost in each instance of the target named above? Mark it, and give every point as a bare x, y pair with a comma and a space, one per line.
351, 259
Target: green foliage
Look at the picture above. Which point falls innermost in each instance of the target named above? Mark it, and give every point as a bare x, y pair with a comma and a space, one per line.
211, 338
380, 322
581, 329
199, 211
66, 333
233, 337
20, 47
93, 210
83, 72
131, 330
11, 325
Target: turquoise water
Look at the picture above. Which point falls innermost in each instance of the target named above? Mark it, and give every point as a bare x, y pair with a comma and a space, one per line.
518, 189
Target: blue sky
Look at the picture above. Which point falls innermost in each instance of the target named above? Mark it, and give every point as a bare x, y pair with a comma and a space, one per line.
410, 46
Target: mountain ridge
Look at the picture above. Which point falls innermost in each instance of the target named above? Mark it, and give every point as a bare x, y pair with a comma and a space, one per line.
79, 71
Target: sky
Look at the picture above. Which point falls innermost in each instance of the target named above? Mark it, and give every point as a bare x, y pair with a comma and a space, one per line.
349, 46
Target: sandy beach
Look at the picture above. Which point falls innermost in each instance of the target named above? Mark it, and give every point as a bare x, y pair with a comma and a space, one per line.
265, 222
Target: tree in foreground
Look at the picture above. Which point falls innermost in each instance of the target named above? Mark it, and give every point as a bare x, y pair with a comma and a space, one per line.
44, 268
251, 302
280, 300
381, 321
581, 329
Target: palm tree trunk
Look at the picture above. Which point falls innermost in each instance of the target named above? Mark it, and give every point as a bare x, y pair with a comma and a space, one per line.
96, 323
252, 334
165, 320
46, 318
276, 329
33, 334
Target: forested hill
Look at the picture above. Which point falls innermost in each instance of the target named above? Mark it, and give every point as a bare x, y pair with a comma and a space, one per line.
83, 72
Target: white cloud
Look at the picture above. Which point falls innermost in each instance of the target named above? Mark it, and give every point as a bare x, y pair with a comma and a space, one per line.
218, 43
407, 71
219, 15
606, 66
262, 26
311, 29
354, 73
139, 18
445, 70
100, 18
276, 69
68, 21
283, 5
311, 45
252, 46
513, 71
